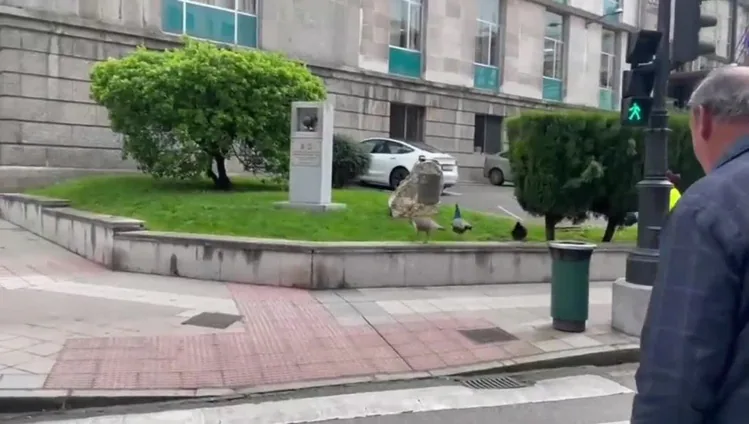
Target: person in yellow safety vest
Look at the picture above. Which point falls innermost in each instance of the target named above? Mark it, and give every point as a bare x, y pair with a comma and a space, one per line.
673, 198
674, 195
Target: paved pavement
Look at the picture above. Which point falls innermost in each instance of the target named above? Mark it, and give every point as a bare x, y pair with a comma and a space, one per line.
571, 396
71, 328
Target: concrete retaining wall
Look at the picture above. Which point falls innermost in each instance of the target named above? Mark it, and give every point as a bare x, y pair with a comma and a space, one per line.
123, 244
87, 234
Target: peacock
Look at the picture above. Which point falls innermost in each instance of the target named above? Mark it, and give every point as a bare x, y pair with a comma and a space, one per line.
426, 225
459, 224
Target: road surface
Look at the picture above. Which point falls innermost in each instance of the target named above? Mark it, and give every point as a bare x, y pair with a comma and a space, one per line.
585, 395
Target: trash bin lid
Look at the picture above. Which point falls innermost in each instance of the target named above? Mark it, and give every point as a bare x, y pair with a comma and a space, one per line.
571, 245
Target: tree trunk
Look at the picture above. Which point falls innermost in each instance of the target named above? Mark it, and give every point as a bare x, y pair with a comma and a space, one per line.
611, 225
220, 181
550, 223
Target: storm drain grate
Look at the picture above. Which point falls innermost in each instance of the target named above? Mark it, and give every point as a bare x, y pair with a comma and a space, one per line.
488, 335
214, 320
489, 383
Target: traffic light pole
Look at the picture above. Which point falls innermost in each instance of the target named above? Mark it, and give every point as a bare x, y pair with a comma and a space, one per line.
653, 190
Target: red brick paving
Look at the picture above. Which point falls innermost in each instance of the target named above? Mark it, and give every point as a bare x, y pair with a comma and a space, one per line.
289, 337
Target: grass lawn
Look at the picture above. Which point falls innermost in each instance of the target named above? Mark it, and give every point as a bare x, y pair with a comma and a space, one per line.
194, 207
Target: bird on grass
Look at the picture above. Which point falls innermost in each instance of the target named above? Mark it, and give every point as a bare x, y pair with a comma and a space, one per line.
459, 224
426, 225
519, 232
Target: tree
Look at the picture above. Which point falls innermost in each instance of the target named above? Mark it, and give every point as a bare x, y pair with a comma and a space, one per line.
618, 150
554, 167
568, 164
186, 110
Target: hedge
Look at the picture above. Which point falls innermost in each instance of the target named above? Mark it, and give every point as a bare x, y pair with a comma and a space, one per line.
570, 165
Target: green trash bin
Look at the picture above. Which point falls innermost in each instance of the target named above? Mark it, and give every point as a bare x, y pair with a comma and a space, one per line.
570, 269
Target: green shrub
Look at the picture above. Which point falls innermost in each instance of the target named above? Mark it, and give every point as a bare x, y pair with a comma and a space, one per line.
569, 164
554, 165
185, 110
350, 161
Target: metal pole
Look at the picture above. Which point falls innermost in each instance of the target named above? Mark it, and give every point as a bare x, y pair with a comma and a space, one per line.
733, 36
653, 190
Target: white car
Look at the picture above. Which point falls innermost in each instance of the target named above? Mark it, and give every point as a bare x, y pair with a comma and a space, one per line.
392, 161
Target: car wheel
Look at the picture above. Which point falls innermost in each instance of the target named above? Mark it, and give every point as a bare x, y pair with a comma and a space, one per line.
397, 177
496, 177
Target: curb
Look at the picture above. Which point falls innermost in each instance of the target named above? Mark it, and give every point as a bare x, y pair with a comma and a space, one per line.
30, 402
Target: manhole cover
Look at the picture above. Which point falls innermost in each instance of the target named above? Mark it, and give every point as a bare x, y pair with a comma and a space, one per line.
488, 335
215, 320
487, 383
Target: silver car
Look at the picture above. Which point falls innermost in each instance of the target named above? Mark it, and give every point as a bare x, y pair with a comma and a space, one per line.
497, 168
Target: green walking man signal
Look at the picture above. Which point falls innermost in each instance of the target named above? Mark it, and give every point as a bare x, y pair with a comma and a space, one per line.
636, 111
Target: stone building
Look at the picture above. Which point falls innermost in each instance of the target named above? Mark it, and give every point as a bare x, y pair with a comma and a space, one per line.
446, 72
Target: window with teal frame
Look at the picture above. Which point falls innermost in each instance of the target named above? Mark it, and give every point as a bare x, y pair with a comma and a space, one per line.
405, 56
609, 11
553, 70
486, 58
606, 99
607, 72
210, 20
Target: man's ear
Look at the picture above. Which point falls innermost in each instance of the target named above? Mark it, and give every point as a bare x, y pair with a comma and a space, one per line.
705, 120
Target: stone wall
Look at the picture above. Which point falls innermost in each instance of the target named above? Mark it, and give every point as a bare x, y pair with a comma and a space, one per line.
49, 127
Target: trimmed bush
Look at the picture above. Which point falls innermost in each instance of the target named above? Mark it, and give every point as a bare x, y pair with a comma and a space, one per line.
571, 164
350, 161
186, 110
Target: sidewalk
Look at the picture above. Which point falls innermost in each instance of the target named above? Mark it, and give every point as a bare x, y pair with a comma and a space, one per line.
67, 324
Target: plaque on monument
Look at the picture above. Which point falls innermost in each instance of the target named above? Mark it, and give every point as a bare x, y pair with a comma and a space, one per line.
306, 152
430, 189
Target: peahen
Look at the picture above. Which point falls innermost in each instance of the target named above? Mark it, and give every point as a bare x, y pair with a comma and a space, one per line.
459, 224
426, 225
519, 232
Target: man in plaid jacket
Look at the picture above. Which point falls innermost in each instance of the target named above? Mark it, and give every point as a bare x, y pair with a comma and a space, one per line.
694, 362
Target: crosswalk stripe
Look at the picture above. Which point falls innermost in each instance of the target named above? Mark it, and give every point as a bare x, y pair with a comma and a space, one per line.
394, 402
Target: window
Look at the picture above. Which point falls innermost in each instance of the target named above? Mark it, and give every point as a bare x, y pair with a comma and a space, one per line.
398, 148
607, 70
369, 145
406, 122
405, 37
222, 21
487, 134
726, 49
425, 147
486, 57
609, 11
553, 72
405, 25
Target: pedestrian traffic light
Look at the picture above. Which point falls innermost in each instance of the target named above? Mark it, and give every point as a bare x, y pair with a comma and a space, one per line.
688, 21
636, 111
637, 83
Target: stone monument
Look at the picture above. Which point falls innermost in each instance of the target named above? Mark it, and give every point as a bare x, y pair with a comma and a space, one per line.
311, 158
419, 194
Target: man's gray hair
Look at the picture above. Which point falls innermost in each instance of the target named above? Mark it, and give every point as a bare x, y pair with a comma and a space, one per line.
724, 92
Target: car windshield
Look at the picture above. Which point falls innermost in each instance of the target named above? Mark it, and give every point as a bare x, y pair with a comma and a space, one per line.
424, 146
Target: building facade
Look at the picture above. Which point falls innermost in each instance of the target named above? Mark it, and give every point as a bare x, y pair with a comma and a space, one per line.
446, 72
